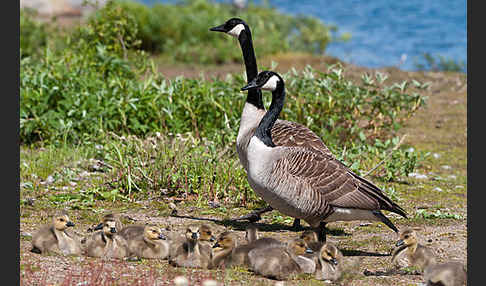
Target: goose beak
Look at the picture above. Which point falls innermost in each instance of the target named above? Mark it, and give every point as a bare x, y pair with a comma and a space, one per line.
212, 238
163, 237
194, 235
216, 245
400, 243
334, 261
308, 250
98, 227
69, 223
251, 85
219, 28
113, 230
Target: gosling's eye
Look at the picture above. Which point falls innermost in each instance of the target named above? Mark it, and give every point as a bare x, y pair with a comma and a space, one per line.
406, 236
61, 219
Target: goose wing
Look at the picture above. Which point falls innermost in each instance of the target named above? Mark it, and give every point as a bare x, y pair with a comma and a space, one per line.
291, 134
333, 182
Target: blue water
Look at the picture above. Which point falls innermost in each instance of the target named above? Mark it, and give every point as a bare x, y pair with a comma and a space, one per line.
387, 32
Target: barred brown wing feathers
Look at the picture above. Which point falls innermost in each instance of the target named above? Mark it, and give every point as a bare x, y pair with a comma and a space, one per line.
333, 182
291, 134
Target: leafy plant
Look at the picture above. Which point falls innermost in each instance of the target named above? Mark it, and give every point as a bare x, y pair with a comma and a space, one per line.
422, 213
440, 63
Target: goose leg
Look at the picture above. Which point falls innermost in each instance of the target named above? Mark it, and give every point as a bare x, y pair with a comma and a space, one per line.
296, 225
321, 231
254, 216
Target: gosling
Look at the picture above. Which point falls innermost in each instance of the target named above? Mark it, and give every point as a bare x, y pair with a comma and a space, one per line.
239, 256
282, 262
107, 243
55, 238
191, 253
450, 273
223, 250
330, 261
151, 245
410, 253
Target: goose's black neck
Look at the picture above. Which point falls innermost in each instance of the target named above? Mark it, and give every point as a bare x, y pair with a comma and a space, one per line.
254, 96
263, 131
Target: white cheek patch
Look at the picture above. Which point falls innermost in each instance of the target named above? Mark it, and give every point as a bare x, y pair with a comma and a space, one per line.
235, 32
271, 84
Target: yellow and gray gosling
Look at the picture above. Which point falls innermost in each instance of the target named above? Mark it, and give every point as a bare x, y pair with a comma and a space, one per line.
107, 243
55, 238
191, 253
223, 250
330, 261
410, 253
151, 245
281, 262
451, 273
239, 256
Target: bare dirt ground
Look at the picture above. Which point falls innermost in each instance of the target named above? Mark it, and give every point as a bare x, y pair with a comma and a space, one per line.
441, 129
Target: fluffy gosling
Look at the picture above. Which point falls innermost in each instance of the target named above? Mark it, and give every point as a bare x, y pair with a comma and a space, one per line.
451, 273
330, 261
410, 253
107, 243
281, 262
55, 238
151, 245
191, 253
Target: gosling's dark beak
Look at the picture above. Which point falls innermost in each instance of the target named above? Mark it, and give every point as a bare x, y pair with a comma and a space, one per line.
161, 236
69, 223
334, 261
251, 85
194, 235
400, 243
308, 250
212, 238
216, 245
112, 230
98, 227
219, 28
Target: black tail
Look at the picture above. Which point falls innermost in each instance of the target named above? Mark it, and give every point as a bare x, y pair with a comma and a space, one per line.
385, 203
385, 220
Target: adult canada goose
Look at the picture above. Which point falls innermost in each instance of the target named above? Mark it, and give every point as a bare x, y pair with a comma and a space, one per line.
329, 265
284, 133
152, 244
282, 262
450, 273
411, 253
55, 238
191, 253
107, 243
304, 183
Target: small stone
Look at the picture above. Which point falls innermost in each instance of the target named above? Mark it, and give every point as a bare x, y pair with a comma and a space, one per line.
411, 150
459, 187
452, 177
446, 167
437, 189
417, 176
50, 179
181, 281
210, 282
436, 155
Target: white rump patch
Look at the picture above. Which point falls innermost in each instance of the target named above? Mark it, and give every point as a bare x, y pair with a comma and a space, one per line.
344, 214
271, 84
236, 30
